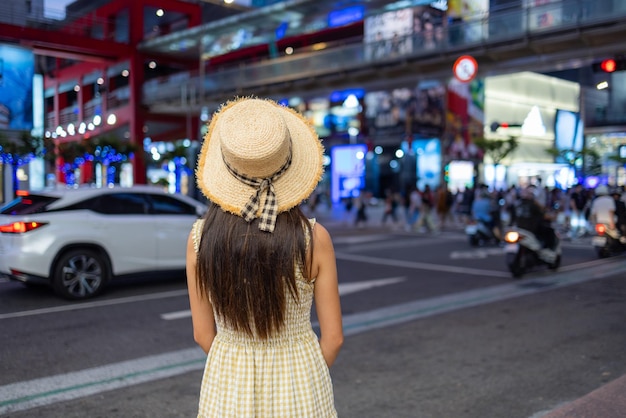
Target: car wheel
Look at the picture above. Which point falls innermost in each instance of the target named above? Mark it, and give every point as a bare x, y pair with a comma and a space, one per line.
80, 274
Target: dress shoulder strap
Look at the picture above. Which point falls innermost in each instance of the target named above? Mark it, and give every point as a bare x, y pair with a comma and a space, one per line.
197, 233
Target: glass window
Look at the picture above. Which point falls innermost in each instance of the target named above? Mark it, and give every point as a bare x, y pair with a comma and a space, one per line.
167, 205
122, 204
122, 27
25, 205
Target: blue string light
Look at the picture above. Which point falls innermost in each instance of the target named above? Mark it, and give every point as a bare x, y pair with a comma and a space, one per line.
106, 155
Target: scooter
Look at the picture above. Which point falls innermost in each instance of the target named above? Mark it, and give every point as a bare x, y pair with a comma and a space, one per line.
480, 234
607, 241
523, 251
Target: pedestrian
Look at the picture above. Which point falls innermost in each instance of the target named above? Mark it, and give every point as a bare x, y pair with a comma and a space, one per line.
348, 205
254, 263
426, 217
413, 209
360, 219
465, 203
445, 199
578, 204
391, 205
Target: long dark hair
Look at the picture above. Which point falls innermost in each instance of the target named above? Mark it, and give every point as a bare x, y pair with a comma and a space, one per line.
248, 273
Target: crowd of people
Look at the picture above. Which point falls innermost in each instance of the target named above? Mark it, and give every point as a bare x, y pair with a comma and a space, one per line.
571, 211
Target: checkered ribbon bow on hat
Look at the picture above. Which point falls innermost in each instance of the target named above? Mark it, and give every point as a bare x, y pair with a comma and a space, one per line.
270, 208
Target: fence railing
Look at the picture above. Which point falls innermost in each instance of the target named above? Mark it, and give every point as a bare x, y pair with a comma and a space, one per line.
18, 14
487, 30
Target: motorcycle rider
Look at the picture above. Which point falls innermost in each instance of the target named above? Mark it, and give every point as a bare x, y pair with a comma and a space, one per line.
483, 211
531, 216
620, 212
603, 207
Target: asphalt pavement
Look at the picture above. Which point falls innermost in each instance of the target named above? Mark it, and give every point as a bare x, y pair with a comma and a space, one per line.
380, 374
607, 401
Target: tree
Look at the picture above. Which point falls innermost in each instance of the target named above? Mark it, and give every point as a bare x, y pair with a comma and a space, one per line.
497, 149
586, 161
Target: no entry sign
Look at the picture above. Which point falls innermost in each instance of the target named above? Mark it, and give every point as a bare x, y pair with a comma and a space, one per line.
465, 68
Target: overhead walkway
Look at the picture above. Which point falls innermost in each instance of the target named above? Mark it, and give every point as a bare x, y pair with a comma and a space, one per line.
576, 33
73, 38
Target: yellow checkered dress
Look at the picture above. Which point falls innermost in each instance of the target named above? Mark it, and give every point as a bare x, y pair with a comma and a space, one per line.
285, 376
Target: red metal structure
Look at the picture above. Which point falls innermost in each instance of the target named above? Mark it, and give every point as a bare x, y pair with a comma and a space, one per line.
93, 69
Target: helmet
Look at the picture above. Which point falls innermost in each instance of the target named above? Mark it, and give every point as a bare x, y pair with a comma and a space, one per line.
602, 190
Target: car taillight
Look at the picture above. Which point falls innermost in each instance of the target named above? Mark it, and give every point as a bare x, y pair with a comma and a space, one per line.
20, 227
600, 229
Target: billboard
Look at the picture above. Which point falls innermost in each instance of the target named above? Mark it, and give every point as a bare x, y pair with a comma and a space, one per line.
428, 167
347, 171
568, 131
17, 68
388, 34
405, 31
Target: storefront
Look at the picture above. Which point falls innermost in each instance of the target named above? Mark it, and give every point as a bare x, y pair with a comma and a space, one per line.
610, 146
542, 113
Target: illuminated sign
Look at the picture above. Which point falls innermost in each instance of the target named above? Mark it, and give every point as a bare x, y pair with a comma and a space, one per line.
347, 171
16, 88
345, 16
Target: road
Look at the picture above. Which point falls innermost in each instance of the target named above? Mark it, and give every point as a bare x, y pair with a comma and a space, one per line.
434, 328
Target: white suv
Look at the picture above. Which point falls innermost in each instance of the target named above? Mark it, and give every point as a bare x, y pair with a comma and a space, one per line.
76, 240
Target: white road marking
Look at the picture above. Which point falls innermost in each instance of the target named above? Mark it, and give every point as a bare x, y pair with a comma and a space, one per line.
344, 289
353, 287
45, 391
95, 304
64, 387
418, 309
477, 253
420, 266
359, 239
396, 243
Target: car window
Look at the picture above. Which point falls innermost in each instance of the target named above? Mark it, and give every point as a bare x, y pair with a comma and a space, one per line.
121, 204
167, 205
90, 204
29, 204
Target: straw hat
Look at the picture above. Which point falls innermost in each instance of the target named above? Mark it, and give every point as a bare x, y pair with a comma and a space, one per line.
253, 146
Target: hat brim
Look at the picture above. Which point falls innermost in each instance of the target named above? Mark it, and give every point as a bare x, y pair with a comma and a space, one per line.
291, 188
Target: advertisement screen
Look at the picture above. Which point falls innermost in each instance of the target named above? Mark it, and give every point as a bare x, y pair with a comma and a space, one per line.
428, 155
568, 132
17, 67
328, 119
420, 109
347, 171
388, 34
460, 175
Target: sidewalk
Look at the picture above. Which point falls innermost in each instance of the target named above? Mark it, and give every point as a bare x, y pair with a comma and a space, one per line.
608, 401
